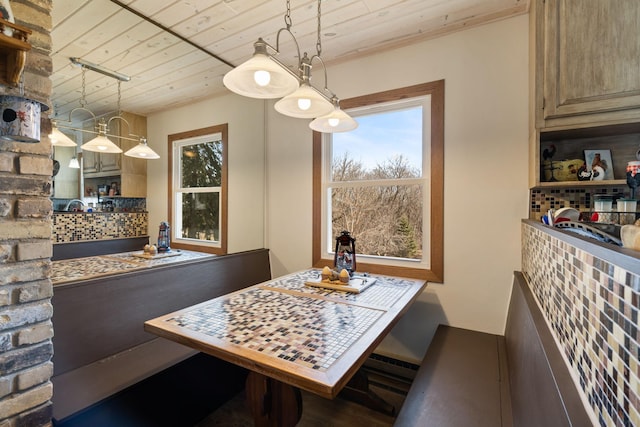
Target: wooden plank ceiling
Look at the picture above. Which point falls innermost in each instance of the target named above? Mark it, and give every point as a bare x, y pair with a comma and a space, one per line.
167, 71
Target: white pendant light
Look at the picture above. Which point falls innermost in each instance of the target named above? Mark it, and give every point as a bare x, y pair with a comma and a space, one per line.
336, 121
261, 77
58, 138
142, 151
74, 163
306, 102
101, 143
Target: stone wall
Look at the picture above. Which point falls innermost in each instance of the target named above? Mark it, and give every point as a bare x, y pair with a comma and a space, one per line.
25, 243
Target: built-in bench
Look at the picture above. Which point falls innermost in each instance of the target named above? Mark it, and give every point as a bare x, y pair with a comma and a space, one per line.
100, 346
470, 378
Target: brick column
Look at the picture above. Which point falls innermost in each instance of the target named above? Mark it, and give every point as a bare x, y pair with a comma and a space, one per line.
25, 243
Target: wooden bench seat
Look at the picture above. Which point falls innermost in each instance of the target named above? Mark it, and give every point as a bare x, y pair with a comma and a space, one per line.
462, 381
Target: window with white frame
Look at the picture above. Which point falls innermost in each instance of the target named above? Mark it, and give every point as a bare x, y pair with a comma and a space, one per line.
198, 178
383, 183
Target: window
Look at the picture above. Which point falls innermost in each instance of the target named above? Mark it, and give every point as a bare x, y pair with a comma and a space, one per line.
198, 195
384, 183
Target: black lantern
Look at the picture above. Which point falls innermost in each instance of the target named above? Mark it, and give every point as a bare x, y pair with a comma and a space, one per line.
164, 238
345, 254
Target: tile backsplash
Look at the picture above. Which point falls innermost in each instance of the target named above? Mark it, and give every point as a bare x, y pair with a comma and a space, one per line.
75, 227
543, 199
591, 307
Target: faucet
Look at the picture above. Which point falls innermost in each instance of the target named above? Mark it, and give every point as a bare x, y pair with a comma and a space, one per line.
66, 208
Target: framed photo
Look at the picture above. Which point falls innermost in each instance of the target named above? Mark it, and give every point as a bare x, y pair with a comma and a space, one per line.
599, 164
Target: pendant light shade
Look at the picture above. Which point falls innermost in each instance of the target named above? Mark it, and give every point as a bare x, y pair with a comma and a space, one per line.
336, 121
101, 143
59, 139
261, 76
142, 151
304, 103
74, 163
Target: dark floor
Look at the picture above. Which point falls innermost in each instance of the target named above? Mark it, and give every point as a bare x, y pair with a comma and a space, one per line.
180, 396
189, 395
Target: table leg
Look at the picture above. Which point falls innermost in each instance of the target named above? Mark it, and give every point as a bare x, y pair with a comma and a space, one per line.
358, 390
272, 402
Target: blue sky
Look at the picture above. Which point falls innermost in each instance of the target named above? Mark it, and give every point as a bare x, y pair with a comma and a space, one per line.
382, 136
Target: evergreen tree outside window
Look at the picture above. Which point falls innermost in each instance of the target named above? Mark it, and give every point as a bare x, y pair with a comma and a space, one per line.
198, 196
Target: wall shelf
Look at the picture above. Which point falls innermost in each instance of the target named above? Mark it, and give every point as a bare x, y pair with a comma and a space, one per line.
580, 184
13, 52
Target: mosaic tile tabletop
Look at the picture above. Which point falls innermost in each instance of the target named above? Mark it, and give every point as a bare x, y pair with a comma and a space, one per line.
311, 335
71, 270
289, 327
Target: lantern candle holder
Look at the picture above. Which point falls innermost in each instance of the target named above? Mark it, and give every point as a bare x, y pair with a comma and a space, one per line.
345, 253
164, 238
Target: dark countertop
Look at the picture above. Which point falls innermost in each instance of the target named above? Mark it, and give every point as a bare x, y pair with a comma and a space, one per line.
77, 269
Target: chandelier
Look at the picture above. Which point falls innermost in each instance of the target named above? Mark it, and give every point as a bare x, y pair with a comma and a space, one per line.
263, 76
101, 142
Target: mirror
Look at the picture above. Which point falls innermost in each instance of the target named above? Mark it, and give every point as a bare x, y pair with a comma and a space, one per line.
66, 181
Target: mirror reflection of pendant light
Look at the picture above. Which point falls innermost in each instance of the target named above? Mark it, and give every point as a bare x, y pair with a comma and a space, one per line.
101, 143
74, 163
336, 121
142, 151
58, 138
263, 76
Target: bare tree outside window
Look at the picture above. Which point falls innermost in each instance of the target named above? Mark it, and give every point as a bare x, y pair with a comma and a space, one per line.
383, 183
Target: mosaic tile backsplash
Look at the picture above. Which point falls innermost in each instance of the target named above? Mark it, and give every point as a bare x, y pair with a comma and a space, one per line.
76, 227
591, 306
543, 199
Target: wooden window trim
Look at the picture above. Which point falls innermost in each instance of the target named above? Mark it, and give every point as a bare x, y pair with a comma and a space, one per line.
222, 129
436, 271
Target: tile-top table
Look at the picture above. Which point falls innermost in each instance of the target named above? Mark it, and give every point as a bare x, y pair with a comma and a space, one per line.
292, 336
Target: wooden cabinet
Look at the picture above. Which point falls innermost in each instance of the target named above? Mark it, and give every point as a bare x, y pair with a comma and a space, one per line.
100, 164
587, 62
132, 171
585, 85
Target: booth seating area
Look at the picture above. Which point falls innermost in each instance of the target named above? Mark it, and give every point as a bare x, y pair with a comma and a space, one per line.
473, 378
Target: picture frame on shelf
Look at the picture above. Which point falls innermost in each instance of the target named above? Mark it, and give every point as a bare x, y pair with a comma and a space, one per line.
599, 165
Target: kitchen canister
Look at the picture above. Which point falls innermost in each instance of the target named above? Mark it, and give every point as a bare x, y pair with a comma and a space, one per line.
20, 121
602, 205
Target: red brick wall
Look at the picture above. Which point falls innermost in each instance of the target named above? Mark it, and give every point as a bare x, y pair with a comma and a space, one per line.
25, 243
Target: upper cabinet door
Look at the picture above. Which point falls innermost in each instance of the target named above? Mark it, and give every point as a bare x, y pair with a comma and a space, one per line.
591, 61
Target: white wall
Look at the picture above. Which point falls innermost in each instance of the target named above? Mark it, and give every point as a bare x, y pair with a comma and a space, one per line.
246, 163
486, 169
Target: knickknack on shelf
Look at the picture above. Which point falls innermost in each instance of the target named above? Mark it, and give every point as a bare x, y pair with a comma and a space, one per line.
14, 45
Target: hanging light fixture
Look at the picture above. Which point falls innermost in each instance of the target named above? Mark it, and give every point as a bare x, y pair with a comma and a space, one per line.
264, 76
101, 143
74, 163
336, 121
142, 151
58, 138
306, 102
